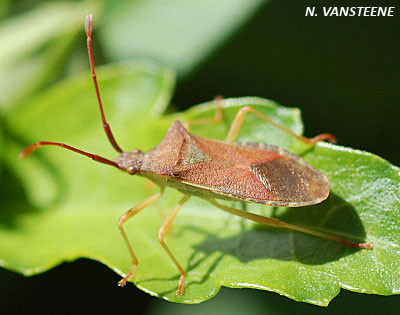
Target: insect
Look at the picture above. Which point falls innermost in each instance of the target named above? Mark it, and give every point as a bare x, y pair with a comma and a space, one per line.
210, 169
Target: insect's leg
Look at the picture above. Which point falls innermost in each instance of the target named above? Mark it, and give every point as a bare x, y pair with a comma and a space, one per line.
219, 113
149, 185
125, 217
278, 223
240, 116
161, 233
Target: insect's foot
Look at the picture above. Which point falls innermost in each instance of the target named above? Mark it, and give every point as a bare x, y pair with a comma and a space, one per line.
324, 137
355, 244
181, 284
365, 245
123, 281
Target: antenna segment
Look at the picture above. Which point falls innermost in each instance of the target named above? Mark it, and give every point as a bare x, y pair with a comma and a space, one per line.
106, 126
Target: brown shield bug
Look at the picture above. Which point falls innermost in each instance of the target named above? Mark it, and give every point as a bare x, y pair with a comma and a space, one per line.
210, 169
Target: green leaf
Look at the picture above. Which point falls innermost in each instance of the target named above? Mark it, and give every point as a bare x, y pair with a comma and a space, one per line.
35, 45
182, 33
1, 150
57, 206
4, 8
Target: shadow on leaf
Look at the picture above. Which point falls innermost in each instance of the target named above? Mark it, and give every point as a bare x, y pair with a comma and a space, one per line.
13, 199
334, 216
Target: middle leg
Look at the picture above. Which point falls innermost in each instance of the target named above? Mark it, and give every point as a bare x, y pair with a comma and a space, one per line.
161, 233
149, 185
219, 113
241, 115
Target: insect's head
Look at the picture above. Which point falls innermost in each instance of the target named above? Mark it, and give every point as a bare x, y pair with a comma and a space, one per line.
130, 161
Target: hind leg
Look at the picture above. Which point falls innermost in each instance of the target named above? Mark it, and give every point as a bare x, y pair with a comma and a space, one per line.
278, 223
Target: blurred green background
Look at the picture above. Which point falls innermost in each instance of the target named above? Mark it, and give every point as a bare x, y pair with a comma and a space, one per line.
341, 72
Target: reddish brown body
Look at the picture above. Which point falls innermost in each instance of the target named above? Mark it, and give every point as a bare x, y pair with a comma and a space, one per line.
208, 168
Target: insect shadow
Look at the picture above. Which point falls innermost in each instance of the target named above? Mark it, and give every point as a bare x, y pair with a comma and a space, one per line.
335, 216
262, 242
193, 263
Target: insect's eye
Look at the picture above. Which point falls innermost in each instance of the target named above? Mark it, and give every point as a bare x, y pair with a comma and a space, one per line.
132, 170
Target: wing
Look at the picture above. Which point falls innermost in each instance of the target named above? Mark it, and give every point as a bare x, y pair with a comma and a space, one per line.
291, 180
246, 171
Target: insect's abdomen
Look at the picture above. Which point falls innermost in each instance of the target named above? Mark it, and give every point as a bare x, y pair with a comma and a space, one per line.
291, 180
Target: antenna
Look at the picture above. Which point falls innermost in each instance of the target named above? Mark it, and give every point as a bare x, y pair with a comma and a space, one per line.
30, 149
107, 129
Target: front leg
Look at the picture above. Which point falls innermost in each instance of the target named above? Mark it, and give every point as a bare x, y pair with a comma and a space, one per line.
125, 217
